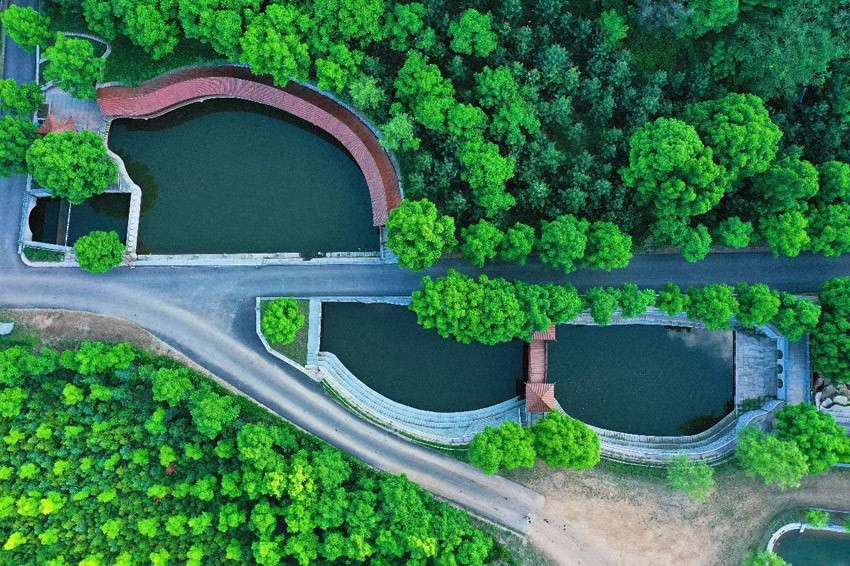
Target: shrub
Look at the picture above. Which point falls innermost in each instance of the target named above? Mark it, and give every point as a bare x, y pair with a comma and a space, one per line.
99, 251
281, 320
763, 558
696, 479
817, 517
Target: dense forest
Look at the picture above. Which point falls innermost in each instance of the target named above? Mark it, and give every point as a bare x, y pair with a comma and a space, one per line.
684, 123
111, 456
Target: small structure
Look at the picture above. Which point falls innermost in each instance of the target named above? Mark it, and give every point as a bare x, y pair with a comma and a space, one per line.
54, 125
539, 395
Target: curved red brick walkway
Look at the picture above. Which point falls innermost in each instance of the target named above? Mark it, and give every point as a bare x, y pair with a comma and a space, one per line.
173, 90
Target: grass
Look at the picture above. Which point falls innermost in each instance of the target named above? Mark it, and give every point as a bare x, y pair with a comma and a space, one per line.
511, 548
297, 349
40, 254
20, 335
132, 65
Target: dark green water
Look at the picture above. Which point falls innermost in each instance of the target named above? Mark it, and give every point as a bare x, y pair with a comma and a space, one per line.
103, 212
229, 176
386, 349
643, 379
814, 548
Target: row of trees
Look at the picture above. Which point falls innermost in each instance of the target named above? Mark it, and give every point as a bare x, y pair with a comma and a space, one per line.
491, 310
111, 457
419, 235
558, 440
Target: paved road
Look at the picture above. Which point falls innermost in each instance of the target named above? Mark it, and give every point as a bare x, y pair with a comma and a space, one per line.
207, 313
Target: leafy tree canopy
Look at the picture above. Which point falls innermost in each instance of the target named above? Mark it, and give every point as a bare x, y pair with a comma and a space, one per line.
778, 462
281, 320
481, 242
27, 27
757, 304
564, 442
563, 242
695, 479
22, 100
418, 234
471, 34
822, 442
98, 251
73, 66
507, 447
16, 137
714, 305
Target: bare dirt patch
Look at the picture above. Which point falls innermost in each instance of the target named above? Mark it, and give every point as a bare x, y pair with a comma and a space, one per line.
612, 516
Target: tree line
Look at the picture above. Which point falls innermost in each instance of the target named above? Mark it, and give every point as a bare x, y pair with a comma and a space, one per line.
112, 456
492, 310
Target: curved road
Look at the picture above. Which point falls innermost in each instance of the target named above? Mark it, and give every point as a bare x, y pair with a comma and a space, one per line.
208, 314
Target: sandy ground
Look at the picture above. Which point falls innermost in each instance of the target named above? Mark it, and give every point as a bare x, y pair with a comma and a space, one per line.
610, 517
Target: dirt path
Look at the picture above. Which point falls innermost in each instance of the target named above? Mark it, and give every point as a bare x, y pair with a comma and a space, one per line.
609, 517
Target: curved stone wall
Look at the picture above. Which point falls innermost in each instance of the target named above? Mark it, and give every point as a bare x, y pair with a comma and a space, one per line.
182, 87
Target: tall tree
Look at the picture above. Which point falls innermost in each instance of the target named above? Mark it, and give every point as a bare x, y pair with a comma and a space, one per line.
472, 34
563, 242
16, 137
713, 305
481, 242
20, 99
98, 251
607, 247
565, 442
418, 234
72, 165
27, 27
73, 66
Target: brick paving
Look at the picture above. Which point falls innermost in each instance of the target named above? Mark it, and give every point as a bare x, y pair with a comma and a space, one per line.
755, 366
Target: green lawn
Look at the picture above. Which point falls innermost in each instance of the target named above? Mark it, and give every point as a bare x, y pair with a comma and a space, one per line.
297, 350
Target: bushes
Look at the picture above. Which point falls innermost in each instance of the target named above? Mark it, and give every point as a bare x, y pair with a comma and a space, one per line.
98, 251
559, 440
281, 320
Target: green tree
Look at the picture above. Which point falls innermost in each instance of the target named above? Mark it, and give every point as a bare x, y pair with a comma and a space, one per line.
151, 27
212, 412
713, 305
418, 234
796, 317
785, 186
564, 442
486, 171
830, 343
504, 448
634, 301
834, 180
785, 233
336, 69
708, 15
23, 99
829, 229
696, 479
563, 242
422, 85
98, 251
613, 25
481, 242
281, 320
518, 243
757, 304
602, 303
73, 66
607, 247
275, 43
498, 91
456, 306
472, 34
672, 170
817, 518
171, 385
822, 442
16, 137
739, 131
776, 461
563, 303
695, 243
734, 232
360, 20
72, 165
399, 133
672, 300
763, 558
26, 26
97, 358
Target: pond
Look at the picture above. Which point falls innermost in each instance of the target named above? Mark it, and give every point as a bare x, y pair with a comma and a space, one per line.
642, 379
814, 548
52, 218
231, 176
386, 349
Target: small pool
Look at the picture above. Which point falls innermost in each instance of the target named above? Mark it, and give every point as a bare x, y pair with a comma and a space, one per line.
53, 218
386, 349
814, 547
231, 176
643, 379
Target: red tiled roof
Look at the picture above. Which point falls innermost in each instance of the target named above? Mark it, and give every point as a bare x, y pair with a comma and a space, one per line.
548, 334
539, 397
52, 125
173, 90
